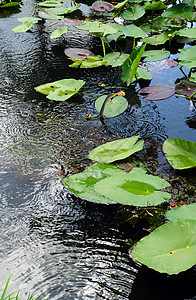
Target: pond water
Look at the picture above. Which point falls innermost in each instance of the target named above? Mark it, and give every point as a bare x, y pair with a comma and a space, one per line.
51, 242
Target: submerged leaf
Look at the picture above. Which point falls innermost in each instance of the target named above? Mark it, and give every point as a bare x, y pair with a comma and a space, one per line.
157, 92
61, 90
171, 248
77, 53
116, 150
180, 153
102, 6
133, 188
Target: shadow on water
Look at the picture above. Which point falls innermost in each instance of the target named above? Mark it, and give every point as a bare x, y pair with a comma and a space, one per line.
52, 242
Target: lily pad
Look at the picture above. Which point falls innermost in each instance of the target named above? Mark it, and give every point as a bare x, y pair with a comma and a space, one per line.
180, 153
190, 33
171, 248
78, 53
70, 22
134, 188
113, 107
50, 3
133, 31
58, 32
133, 13
82, 184
114, 59
26, 24
60, 90
182, 213
61, 10
98, 28
187, 88
116, 150
157, 39
157, 92
154, 55
102, 6
49, 16
187, 57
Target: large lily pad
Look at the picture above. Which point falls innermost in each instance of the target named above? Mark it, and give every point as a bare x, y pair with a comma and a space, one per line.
134, 188
180, 153
157, 92
182, 213
78, 53
170, 249
102, 6
82, 184
133, 13
133, 31
116, 150
60, 90
113, 107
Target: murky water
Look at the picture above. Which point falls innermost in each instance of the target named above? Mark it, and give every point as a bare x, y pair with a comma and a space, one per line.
51, 242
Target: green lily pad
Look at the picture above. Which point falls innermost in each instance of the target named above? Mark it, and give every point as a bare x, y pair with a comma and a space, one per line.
157, 39
50, 3
180, 153
182, 213
133, 188
82, 184
113, 107
141, 73
27, 23
116, 150
58, 32
60, 90
158, 5
170, 249
133, 31
61, 10
189, 33
154, 55
181, 10
187, 57
98, 28
114, 59
133, 13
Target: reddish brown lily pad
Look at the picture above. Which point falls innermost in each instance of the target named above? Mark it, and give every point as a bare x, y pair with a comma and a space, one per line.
73, 22
187, 89
171, 63
157, 92
77, 53
102, 6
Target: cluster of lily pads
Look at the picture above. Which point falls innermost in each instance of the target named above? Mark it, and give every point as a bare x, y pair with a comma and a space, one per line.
150, 24
104, 182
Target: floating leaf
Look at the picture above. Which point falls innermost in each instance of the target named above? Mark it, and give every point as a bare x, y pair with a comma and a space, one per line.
78, 53
182, 213
116, 150
157, 39
92, 62
50, 3
48, 15
141, 73
27, 23
187, 57
82, 184
61, 10
154, 55
157, 92
133, 188
73, 22
133, 31
133, 13
98, 28
171, 63
190, 33
187, 88
171, 248
180, 153
102, 6
60, 90
58, 32
114, 59
113, 107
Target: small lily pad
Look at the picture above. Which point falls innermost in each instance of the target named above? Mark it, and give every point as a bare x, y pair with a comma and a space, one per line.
113, 107
116, 150
157, 92
102, 6
77, 53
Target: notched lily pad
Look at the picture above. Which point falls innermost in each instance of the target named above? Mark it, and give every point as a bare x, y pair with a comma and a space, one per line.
78, 53
102, 6
157, 92
187, 89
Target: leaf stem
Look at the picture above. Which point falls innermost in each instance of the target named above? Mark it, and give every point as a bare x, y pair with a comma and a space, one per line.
103, 45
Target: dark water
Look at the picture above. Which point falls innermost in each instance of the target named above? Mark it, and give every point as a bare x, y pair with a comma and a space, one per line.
51, 242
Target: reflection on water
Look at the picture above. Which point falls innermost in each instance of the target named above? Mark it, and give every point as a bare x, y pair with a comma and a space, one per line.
52, 242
